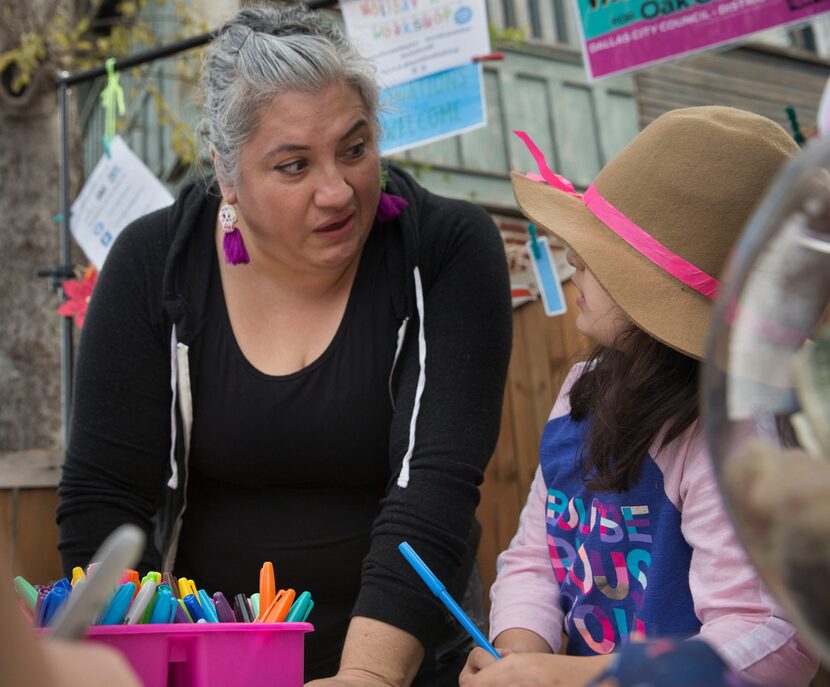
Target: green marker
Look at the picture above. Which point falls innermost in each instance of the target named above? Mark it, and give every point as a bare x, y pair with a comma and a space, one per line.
26, 592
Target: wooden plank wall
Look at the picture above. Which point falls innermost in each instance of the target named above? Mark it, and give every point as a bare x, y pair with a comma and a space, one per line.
28, 498
28, 532
759, 79
544, 348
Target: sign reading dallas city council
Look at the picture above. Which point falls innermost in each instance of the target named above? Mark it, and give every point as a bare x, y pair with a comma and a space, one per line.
621, 35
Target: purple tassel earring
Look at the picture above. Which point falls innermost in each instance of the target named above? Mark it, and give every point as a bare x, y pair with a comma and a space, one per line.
232, 244
389, 206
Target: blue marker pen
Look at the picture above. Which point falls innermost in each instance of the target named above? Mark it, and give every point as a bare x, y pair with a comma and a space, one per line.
161, 609
117, 608
208, 609
437, 588
193, 607
52, 602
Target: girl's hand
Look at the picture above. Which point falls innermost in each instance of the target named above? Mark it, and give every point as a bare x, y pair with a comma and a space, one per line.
530, 670
477, 661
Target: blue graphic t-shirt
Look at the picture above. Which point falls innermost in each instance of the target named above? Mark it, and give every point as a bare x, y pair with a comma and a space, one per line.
620, 559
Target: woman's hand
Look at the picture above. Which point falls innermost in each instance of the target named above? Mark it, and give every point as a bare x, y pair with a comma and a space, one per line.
375, 654
530, 670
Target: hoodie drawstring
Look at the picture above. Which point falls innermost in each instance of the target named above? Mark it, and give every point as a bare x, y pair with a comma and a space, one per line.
173, 482
403, 478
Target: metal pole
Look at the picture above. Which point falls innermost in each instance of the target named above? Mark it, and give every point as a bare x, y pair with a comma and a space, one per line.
66, 258
162, 51
137, 59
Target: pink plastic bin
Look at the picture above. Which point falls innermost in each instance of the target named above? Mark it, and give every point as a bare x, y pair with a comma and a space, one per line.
211, 655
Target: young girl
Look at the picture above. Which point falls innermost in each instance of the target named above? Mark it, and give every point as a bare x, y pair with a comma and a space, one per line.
624, 531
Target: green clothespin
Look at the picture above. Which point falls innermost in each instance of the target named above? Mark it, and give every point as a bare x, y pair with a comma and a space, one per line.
797, 135
112, 100
534, 241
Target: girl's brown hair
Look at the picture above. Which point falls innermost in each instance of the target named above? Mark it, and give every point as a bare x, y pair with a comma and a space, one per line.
629, 393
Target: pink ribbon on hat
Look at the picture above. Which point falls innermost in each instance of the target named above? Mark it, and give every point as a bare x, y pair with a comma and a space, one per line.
629, 231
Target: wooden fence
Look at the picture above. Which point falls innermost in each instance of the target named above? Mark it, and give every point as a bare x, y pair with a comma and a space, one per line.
28, 497
544, 348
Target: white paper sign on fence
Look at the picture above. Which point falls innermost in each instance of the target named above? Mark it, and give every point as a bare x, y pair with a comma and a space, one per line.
119, 190
409, 39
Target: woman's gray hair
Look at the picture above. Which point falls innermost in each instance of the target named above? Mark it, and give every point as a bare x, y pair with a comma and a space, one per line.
263, 52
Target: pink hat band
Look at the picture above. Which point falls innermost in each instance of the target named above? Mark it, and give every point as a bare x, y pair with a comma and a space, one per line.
629, 231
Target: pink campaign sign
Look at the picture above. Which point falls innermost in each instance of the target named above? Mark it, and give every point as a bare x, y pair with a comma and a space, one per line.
621, 35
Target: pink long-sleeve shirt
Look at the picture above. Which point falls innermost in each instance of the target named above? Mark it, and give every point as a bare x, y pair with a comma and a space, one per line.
674, 557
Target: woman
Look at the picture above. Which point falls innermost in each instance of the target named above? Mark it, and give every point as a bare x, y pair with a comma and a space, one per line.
291, 365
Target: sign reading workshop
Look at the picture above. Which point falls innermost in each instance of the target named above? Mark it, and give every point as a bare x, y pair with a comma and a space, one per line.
423, 51
621, 35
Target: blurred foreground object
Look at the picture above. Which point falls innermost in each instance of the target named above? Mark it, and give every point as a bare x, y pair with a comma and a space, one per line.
669, 663
766, 391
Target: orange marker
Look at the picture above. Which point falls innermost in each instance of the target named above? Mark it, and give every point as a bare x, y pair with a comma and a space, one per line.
279, 607
132, 576
267, 588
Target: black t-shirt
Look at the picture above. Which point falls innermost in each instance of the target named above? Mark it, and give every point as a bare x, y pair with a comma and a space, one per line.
292, 468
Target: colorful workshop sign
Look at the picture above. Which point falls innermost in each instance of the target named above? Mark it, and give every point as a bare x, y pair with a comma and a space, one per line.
621, 35
409, 39
431, 108
120, 189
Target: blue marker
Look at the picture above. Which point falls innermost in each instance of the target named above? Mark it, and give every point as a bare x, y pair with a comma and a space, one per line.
208, 609
117, 608
52, 603
193, 608
161, 609
440, 591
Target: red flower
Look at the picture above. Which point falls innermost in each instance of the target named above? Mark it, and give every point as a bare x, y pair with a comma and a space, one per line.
78, 293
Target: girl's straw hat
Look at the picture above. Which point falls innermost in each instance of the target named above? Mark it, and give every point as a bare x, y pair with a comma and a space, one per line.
657, 225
